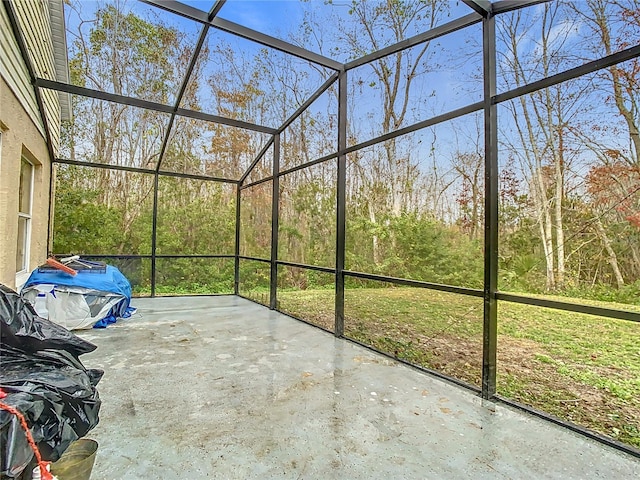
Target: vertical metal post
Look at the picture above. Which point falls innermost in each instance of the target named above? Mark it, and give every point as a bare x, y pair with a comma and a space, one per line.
236, 274
275, 207
341, 203
154, 234
490, 331
52, 200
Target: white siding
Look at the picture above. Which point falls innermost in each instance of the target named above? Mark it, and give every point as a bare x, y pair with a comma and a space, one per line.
34, 20
14, 71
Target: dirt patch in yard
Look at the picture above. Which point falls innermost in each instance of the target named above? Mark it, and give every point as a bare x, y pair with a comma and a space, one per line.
580, 368
527, 374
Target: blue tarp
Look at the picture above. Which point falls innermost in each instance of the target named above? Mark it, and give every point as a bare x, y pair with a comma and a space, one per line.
111, 281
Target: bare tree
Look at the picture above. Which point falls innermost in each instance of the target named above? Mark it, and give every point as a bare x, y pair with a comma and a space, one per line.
540, 121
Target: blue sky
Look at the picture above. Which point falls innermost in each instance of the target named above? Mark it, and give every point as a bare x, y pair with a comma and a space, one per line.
280, 18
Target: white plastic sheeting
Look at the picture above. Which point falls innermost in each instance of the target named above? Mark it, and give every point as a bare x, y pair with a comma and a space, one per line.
74, 308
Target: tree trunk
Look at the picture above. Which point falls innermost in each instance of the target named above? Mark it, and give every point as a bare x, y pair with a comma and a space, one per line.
374, 241
545, 226
613, 259
559, 194
600, 17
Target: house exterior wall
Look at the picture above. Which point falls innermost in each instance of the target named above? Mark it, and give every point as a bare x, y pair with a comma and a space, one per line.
23, 134
21, 137
34, 19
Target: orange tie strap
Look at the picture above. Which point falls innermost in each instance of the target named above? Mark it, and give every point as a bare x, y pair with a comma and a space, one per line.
44, 473
60, 266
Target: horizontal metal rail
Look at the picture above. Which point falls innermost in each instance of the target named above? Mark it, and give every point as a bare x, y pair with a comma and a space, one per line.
317, 161
472, 292
165, 173
175, 295
570, 307
475, 107
504, 6
320, 327
570, 425
107, 255
181, 9
449, 27
275, 43
254, 301
128, 257
147, 105
223, 256
305, 266
105, 166
149, 171
458, 112
435, 373
230, 122
257, 182
254, 259
585, 69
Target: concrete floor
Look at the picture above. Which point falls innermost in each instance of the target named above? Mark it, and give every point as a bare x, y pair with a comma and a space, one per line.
219, 387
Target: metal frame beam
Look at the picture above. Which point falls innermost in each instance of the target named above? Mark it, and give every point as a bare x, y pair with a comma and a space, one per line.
505, 6
432, 34
471, 292
302, 166
474, 107
236, 268
256, 160
105, 166
275, 43
570, 425
304, 266
257, 182
491, 193
162, 173
323, 88
185, 81
113, 255
244, 32
181, 9
231, 122
146, 104
341, 200
275, 216
585, 69
100, 95
483, 7
569, 307
254, 259
154, 233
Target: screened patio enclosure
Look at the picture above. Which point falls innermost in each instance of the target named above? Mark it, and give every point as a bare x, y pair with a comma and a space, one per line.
453, 184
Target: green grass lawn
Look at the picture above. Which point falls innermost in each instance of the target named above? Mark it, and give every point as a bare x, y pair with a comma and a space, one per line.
582, 368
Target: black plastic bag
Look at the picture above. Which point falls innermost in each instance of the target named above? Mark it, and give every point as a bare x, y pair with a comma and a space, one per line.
45, 380
24, 329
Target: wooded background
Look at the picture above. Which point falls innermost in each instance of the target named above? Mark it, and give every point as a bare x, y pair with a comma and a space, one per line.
569, 154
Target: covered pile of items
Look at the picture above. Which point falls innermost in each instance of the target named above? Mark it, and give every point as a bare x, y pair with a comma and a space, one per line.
78, 293
42, 379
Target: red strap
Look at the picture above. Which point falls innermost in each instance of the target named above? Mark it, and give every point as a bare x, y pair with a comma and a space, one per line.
44, 473
60, 266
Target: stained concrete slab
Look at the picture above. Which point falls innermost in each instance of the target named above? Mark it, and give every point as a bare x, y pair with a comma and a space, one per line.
219, 387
